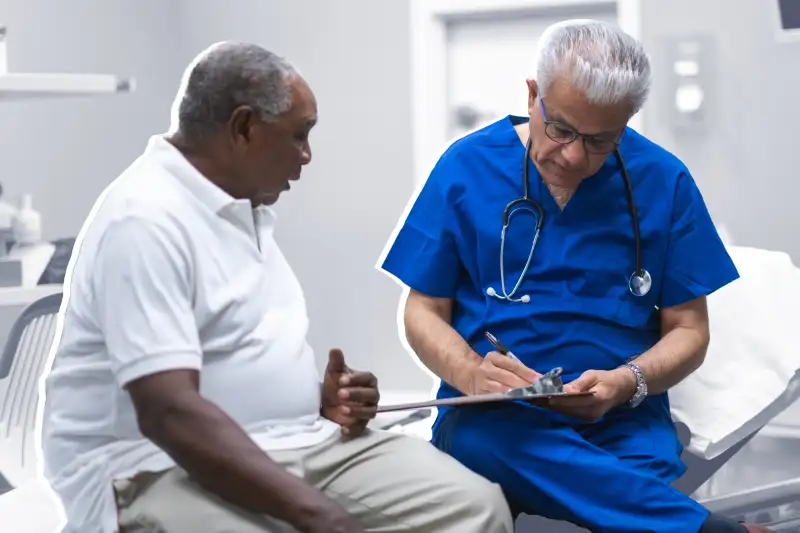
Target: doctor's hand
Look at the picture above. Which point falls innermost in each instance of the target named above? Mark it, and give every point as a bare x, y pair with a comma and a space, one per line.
349, 398
499, 373
611, 388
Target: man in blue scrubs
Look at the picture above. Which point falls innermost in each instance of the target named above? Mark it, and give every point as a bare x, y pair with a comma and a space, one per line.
603, 461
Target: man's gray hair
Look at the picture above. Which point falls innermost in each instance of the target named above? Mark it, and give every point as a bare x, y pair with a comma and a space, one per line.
228, 75
598, 58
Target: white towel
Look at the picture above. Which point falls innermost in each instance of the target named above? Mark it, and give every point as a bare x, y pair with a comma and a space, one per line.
752, 370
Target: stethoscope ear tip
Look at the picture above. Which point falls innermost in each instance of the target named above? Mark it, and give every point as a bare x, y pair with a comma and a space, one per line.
493, 293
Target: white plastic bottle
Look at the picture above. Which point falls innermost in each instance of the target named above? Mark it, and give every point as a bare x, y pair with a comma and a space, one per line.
27, 224
29, 249
7, 214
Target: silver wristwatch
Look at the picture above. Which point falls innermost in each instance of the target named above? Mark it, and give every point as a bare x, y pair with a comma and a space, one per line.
641, 385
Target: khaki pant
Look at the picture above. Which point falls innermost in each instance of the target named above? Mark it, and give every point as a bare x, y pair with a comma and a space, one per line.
390, 482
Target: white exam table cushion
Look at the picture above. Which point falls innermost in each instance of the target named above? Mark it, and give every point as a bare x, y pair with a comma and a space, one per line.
752, 369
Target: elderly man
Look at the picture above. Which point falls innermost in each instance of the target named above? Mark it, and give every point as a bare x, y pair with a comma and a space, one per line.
579, 244
184, 397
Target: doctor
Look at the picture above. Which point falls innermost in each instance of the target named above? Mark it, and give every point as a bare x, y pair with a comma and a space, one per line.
579, 244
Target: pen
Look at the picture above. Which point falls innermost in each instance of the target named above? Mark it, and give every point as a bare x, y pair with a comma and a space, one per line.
500, 347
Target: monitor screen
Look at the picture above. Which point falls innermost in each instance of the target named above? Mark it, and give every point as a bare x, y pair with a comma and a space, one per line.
790, 14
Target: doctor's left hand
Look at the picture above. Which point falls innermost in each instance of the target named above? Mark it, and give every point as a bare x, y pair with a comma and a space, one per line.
611, 388
349, 398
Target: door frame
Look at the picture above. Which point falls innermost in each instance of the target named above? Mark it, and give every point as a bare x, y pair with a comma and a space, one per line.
429, 20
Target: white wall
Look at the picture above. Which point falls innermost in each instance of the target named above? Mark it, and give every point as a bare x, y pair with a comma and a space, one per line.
748, 165
65, 152
335, 223
356, 55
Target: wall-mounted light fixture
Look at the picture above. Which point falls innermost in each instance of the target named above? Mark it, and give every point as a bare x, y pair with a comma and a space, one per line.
690, 80
28, 85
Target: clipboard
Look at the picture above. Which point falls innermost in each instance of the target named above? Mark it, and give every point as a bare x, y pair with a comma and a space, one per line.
548, 386
481, 398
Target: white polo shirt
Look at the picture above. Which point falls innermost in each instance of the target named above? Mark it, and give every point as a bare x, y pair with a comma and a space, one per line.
170, 272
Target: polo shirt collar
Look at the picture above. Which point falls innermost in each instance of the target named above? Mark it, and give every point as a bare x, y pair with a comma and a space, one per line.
178, 166
209, 194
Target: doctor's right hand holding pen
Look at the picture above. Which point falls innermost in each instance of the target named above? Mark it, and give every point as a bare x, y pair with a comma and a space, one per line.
500, 371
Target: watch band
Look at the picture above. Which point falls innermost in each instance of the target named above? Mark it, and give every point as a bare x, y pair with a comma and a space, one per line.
641, 385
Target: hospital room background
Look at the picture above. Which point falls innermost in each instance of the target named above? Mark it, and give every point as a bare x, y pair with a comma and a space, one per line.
396, 80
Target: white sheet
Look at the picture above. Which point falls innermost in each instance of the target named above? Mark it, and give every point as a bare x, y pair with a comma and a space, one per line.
752, 370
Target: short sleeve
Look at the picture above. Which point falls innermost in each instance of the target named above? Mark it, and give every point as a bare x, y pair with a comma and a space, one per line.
143, 299
423, 254
697, 263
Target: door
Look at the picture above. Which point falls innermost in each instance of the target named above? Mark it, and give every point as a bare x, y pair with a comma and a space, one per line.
490, 57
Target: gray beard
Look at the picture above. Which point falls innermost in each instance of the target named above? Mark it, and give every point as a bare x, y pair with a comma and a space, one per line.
561, 195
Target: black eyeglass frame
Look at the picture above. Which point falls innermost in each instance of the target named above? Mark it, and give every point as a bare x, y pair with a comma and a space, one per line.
574, 134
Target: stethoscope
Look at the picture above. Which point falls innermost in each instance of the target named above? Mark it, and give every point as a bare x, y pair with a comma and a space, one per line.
639, 282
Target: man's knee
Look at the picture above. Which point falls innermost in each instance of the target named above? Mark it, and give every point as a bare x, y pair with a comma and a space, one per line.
480, 502
470, 501
492, 500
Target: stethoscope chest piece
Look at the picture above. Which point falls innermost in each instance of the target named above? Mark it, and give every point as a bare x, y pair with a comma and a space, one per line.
640, 282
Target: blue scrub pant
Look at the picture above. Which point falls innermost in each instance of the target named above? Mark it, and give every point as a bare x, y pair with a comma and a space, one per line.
609, 477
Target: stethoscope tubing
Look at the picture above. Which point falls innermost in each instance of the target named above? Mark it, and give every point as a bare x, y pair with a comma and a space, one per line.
639, 273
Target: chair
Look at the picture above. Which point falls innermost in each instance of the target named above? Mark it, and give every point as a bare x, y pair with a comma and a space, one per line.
21, 365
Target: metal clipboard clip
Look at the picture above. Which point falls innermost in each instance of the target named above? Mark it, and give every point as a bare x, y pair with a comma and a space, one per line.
548, 384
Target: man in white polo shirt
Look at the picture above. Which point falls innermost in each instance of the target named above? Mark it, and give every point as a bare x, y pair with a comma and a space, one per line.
183, 397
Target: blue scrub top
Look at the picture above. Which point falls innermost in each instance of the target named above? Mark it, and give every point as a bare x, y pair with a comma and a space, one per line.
581, 315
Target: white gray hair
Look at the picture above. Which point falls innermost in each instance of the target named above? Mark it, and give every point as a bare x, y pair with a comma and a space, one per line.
228, 75
598, 58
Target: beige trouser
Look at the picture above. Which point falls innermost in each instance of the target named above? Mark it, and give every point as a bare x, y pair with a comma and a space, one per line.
390, 482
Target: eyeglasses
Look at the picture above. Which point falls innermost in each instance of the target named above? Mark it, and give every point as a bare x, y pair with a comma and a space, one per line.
563, 134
